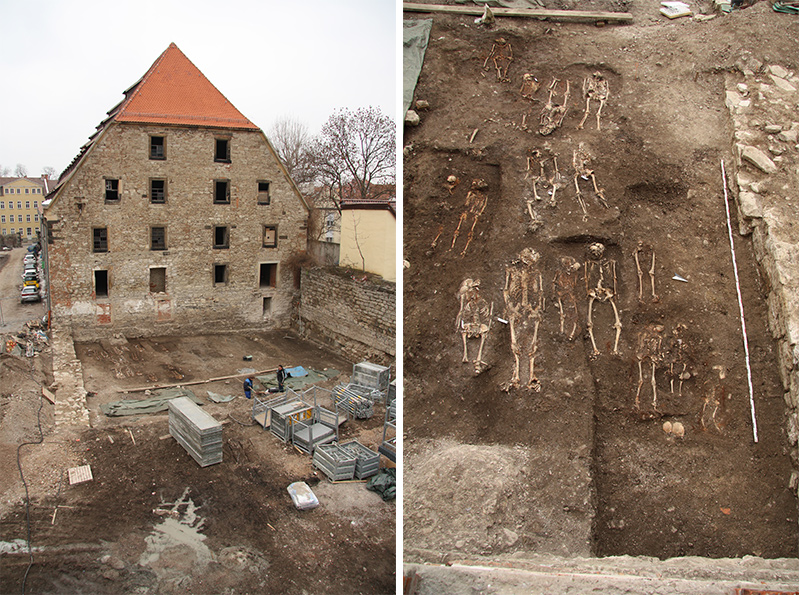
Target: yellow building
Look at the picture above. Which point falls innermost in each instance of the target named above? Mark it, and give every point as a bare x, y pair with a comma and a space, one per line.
20, 203
368, 236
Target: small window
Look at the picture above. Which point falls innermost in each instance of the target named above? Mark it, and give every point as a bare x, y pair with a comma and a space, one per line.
19, 202
222, 191
112, 190
35, 204
157, 146
36, 217
270, 236
27, 204
268, 276
222, 150
29, 230
2, 204
221, 237
27, 218
12, 218
263, 193
158, 238
220, 274
266, 308
100, 239
158, 191
2, 218
27, 190
158, 280
101, 283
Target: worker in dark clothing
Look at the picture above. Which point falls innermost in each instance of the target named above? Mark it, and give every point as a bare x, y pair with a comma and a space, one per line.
248, 386
282, 375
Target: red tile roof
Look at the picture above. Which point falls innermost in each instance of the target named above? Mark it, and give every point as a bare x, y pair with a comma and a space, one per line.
174, 91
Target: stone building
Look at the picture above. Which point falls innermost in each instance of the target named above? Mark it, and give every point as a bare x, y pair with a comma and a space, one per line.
176, 217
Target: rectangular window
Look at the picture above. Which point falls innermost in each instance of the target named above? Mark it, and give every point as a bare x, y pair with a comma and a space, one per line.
27, 204
266, 308
29, 230
27, 218
263, 193
270, 236
268, 275
222, 150
2, 204
157, 147
100, 239
220, 274
158, 280
36, 217
112, 190
26, 190
2, 218
158, 238
158, 191
19, 202
221, 237
11, 218
101, 284
222, 191
35, 204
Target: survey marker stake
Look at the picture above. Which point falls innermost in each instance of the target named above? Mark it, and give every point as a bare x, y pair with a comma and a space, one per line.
741, 306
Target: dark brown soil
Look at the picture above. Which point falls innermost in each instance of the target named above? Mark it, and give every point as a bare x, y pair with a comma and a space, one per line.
657, 156
235, 529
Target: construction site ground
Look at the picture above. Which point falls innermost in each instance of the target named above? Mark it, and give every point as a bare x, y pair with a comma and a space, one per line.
578, 471
152, 520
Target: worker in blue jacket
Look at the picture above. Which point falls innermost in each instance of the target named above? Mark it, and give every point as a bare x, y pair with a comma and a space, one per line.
248, 386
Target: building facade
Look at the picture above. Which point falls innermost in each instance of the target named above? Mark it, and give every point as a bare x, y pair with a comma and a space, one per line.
20, 202
368, 236
175, 217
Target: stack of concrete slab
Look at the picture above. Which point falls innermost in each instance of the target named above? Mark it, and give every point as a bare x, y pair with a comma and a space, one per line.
367, 460
371, 375
335, 462
197, 431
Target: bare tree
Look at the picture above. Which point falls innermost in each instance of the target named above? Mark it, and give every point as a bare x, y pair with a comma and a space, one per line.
49, 171
355, 149
290, 139
20, 171
4, 170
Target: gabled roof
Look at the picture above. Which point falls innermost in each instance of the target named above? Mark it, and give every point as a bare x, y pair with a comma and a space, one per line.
38, 181
174, 91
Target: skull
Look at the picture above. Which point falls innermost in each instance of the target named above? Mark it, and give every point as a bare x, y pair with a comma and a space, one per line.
596, 250
529, 256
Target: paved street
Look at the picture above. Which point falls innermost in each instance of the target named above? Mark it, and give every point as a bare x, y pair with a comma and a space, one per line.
13, 314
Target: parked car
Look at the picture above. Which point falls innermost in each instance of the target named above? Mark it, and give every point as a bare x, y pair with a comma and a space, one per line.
31, 282
29, 272
29, 294
29, 259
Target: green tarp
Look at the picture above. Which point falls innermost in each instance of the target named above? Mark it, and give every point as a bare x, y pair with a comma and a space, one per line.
155, 404
415, 42
313, 376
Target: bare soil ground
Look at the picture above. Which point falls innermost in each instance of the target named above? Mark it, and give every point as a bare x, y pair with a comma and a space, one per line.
152, 520
578, 469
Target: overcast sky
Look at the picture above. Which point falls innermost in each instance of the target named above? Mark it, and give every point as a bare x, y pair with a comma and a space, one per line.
65, 63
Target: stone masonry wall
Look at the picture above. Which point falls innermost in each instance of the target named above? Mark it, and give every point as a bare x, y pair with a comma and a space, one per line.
763, 101
193, 302
353, 313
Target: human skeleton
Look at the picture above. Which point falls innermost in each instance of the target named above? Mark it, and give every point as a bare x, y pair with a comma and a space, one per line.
474, 320
678, 359
529, 86
581, 161
649, 349
564, 284
525, 302
595, 88
644, 249
502, 56
553, 115
600, 274
474, 205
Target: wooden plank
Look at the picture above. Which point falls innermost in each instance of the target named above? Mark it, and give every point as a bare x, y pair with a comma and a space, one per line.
194, 382
48, 395
582, 15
